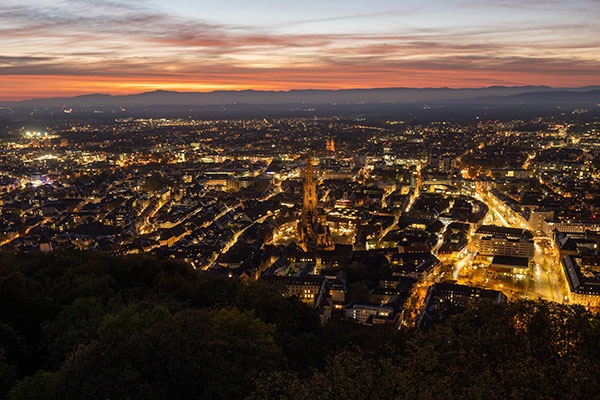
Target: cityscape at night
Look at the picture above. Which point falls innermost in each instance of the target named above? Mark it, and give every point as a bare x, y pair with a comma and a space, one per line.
331, 200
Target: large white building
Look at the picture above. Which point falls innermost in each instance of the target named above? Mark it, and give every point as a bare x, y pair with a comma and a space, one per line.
501, 246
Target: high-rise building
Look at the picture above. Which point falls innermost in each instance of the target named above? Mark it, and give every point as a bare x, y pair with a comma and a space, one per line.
313, 233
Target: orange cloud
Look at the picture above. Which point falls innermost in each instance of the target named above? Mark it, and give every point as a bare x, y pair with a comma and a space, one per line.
120, 48
18, 87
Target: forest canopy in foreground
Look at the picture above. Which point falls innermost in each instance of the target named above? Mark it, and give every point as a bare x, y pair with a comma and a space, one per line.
82, 325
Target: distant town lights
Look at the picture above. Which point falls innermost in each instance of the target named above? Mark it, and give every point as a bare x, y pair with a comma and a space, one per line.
35, 134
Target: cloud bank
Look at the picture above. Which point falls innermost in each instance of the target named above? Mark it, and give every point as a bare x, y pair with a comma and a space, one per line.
86, 46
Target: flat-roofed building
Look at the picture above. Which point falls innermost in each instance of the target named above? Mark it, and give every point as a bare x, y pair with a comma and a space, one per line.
510, 265
501, 231
502, 246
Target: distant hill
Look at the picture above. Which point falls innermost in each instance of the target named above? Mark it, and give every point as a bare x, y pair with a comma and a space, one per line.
493, 95
550, 97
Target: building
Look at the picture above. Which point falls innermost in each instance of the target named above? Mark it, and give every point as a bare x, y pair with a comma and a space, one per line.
583, 279
538, 217
343, 221
306, 288
369, 313
518, 173
326, 294
443, 298
462, 295
573, 227
510, 265
490, 246
501, 231
414, 265
330, 145
313, 232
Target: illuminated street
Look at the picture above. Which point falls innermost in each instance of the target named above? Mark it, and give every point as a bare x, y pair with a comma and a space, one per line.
546, 276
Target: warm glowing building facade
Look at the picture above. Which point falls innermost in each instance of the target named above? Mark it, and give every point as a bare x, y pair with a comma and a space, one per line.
313, 232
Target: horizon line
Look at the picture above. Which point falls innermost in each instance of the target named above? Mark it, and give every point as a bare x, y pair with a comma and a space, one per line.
296, 90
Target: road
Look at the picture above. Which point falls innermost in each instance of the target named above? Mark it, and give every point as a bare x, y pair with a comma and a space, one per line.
397, 215
27, 230
552, 283
547, 278
233, 241
464, 262
541, 276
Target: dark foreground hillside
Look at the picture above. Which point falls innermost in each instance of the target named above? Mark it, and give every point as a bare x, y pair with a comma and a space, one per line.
93, 326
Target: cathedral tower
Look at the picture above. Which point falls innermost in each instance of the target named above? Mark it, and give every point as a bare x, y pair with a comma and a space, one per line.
313, 233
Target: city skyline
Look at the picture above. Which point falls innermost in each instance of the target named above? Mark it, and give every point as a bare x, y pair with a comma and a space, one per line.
74, 47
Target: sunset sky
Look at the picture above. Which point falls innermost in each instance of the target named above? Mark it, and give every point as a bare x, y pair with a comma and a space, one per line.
71, 47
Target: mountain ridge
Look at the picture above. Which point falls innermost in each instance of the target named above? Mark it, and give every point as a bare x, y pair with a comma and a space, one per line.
313, 96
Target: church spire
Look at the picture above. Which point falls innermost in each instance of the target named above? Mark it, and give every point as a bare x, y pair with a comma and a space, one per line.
310, 190
312, 230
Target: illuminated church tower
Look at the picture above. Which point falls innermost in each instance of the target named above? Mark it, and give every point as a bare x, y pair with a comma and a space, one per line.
313, 233
331, 145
